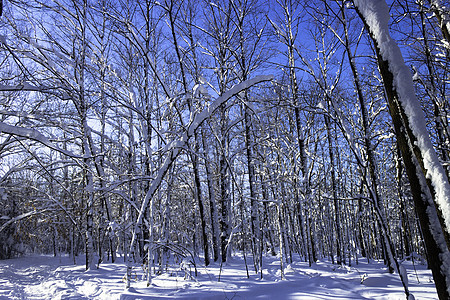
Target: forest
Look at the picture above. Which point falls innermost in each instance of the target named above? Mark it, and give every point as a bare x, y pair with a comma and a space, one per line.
153, 132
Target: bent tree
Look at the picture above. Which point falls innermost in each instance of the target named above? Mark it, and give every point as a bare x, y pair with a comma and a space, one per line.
429, 184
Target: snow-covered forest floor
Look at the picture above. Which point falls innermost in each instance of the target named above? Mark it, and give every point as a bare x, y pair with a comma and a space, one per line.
47, 277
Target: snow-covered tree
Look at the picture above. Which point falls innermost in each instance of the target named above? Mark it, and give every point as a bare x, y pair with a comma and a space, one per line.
429, 183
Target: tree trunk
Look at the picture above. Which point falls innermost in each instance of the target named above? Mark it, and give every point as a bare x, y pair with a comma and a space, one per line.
337, 223
212, 200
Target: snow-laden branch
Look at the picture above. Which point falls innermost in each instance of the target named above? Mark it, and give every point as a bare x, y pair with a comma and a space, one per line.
176, 146
22, 87
34, 135
27, 87
20, 217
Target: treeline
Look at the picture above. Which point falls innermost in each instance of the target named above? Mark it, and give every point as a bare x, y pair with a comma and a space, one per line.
145, 130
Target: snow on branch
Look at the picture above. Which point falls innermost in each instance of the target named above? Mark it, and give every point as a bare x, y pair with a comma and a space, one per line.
27, 87
34, 135
20, 217
21, 87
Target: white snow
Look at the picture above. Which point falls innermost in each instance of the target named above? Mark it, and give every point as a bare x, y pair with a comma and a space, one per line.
47, 277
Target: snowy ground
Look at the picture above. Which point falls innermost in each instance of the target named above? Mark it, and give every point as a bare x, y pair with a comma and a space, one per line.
46, 277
